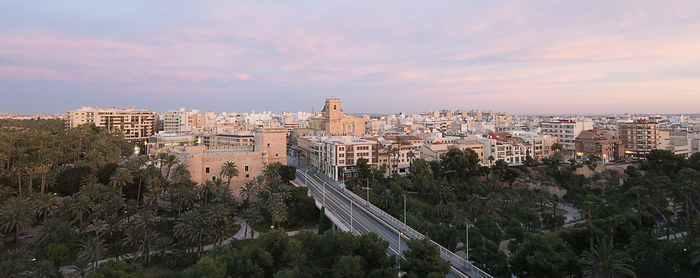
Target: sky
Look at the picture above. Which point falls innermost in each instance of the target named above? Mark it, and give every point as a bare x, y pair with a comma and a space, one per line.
522, 57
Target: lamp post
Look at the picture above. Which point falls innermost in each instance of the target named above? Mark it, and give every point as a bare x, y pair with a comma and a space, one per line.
466, 246
400, 233
351, 203
404, 209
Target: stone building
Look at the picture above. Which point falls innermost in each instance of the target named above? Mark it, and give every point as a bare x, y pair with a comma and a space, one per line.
205, 163
333, 122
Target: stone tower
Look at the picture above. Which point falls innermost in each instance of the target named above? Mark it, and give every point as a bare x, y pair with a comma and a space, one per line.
333, 116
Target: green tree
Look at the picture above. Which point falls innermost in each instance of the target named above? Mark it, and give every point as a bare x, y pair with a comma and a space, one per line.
120, 178
118, 269
422, 259
16, 215
229, 171
543, 255
348, 267
605, 261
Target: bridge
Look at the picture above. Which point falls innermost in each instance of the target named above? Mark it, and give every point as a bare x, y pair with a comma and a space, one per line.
351, 213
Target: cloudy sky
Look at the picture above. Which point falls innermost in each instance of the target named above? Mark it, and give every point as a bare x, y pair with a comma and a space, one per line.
377, 56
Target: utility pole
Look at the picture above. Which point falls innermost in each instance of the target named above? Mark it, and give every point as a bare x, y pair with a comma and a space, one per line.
351, 203
404, 209
466, 229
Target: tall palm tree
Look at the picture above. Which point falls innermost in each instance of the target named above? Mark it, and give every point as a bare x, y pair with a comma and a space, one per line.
121, 177
98, 226
18, 170
229, 171
277, 209
604, 261
142, 225
181, 178
192, 227
16, 215
47, 204
170, 161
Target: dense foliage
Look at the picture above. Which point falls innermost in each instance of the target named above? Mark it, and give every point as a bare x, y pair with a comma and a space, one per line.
546, 218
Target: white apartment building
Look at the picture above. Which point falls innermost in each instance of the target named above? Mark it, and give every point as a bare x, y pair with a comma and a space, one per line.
337, 156
135, 125
566, 132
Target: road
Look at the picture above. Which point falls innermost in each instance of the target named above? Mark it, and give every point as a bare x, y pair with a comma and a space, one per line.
349, 210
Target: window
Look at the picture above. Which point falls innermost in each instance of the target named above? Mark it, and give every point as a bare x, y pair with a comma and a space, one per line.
246, 168
206, 170
268, 144
213, 178
247, 176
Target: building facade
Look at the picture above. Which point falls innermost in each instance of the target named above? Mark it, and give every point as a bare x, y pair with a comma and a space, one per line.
640, 137
337, 156
135, 125
595, 142
566, 131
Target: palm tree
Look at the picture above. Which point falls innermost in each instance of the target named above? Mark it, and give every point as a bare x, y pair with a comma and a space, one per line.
6, 192
120, 178
604, 261
277, 209
47, 204
16, 215
191, 226
162, 245
155, 192
18, 171
170, 161
142, 224
229, 170
135, 166
98, 226
79, 205
181, 177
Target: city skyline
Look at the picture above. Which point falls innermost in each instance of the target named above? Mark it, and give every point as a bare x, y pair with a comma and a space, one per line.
522, 58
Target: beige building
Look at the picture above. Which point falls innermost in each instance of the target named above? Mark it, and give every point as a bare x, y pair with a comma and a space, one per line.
205, 164
337, 156
431, 152
135, 125
566, 132
333, 122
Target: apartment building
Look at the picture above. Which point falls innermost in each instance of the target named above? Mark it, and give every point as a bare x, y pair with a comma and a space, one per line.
639, 136
599, 143
135, 125
181, 121
337, 156
566, 132
504, 146
541, 144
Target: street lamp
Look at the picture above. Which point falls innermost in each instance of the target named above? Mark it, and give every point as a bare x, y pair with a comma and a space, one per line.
466, 246
351, 203
400, 233
404, 209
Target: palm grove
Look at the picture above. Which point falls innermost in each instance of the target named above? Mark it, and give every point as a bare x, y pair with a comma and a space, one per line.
73, 197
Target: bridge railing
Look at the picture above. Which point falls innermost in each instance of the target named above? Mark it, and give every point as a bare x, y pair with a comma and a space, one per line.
412, 233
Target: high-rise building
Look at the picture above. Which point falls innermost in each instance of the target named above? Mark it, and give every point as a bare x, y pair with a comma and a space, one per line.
135, 125
639, 136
